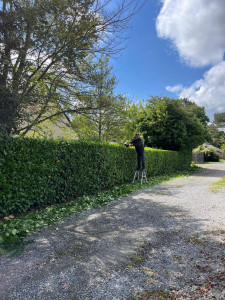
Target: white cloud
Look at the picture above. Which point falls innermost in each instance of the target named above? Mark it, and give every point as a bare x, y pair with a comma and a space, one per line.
208, 91
175, 88
196, 29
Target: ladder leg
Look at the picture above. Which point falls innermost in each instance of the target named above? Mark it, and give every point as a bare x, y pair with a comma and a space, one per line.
135, 174
143, 176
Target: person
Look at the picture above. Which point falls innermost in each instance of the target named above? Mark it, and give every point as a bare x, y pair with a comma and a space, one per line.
139, 147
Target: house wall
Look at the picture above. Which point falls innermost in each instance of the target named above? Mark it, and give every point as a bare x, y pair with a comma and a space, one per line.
198, 157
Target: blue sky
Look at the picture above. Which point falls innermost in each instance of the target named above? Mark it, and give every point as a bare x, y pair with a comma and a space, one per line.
176, 50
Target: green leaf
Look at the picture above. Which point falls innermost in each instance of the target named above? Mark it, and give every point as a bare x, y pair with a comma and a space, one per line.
14, 231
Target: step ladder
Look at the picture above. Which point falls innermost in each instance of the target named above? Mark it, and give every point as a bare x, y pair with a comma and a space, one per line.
140, 174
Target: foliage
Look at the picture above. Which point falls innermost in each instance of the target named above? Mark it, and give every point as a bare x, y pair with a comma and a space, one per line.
195, 110
219, 119
216, 135
133, 112
172, 124
14, 228
105, 119
42, 54
36, 173
54, 128
199, 148
210, 154
222, 147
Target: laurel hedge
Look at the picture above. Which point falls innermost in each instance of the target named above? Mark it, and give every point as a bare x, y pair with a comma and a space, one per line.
35, 173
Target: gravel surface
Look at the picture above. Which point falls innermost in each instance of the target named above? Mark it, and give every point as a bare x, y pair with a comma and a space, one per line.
167, 242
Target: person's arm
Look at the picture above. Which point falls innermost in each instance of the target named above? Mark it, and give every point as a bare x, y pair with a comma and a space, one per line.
134, 142
130, 143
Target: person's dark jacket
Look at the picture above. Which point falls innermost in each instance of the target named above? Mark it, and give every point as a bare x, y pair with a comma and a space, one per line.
138, 144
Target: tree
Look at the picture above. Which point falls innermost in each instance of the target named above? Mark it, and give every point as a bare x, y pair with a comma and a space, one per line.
104, 121
104, 126
42, 46
171, 124
134, 111
194, 109
219, 119
215, 136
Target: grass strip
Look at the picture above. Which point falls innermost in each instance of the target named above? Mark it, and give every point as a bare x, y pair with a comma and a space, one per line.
216, 186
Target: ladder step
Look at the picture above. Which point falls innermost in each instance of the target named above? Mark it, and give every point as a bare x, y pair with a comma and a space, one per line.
142, 177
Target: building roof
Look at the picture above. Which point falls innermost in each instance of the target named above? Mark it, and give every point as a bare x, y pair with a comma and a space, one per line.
208, 145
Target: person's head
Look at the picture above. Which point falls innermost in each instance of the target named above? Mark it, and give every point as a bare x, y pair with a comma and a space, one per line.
136, 136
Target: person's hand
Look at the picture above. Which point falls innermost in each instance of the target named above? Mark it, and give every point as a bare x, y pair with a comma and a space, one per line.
127, 144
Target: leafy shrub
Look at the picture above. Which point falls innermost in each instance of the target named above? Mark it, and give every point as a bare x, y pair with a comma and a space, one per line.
210, 154
37, 173
199, 148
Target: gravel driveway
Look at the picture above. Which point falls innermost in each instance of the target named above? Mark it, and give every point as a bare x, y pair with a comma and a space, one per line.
167, 242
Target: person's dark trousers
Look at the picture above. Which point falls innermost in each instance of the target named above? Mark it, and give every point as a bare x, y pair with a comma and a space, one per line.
141, 158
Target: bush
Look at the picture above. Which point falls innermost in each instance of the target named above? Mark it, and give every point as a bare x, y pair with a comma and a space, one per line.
36, 173
210, 154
